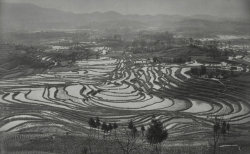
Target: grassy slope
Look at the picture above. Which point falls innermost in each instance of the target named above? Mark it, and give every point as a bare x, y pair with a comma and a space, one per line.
74, 144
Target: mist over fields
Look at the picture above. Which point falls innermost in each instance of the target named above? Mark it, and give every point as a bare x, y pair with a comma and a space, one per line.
16, 17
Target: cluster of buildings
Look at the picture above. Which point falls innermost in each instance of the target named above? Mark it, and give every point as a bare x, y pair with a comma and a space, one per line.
222, 45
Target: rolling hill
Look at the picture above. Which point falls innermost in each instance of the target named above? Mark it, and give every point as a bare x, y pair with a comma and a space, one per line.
29, 17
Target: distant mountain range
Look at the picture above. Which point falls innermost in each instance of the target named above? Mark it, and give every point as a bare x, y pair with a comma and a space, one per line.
29, 17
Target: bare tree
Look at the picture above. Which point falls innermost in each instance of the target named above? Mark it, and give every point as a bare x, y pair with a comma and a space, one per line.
90, 137
104, 128
98, 124
142, 130
130, 125
220, 128
127, 142
115, 126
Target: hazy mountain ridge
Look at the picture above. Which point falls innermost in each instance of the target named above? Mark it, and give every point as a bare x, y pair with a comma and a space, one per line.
29, 17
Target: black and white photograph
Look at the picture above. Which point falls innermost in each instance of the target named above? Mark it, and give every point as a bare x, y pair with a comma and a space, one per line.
124, 77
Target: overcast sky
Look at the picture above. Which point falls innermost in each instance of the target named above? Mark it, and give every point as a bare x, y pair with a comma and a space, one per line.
223, 8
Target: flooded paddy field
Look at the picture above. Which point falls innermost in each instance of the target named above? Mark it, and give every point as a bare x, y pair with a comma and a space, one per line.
117, 90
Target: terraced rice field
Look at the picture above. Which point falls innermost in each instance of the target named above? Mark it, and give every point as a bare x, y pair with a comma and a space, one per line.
119, 90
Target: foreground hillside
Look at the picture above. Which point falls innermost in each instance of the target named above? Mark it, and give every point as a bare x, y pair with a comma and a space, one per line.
75, 144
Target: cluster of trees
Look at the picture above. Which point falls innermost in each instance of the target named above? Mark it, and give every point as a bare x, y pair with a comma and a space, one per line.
36, 37
30, 56
152, 42
211, 72
97, 124
181, 59
32, 61
132, 128
82, 52
212, 49
128, 137
156, 134
30, 49
132, 138
166, 38
95, 127
75, 53
172, 59
199, 71
113, 41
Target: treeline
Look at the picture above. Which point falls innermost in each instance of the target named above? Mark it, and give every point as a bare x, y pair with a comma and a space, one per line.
151, 42
212, 72
30, 56
73, 56
130, 138
30, 60
35, 57
36, 37
214, 52
177, 60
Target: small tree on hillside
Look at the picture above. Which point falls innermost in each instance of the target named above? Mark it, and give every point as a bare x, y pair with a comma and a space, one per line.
87, 54
156, 134
110, 128
115, 126
220, 128
91, 123
90, 139
104, 128
127, 142
142, 130
130, 125
97, 55
98, 124
134, 132
228, 127
128, 139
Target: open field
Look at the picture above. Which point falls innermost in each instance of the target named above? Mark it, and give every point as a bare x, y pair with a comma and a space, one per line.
118, 90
